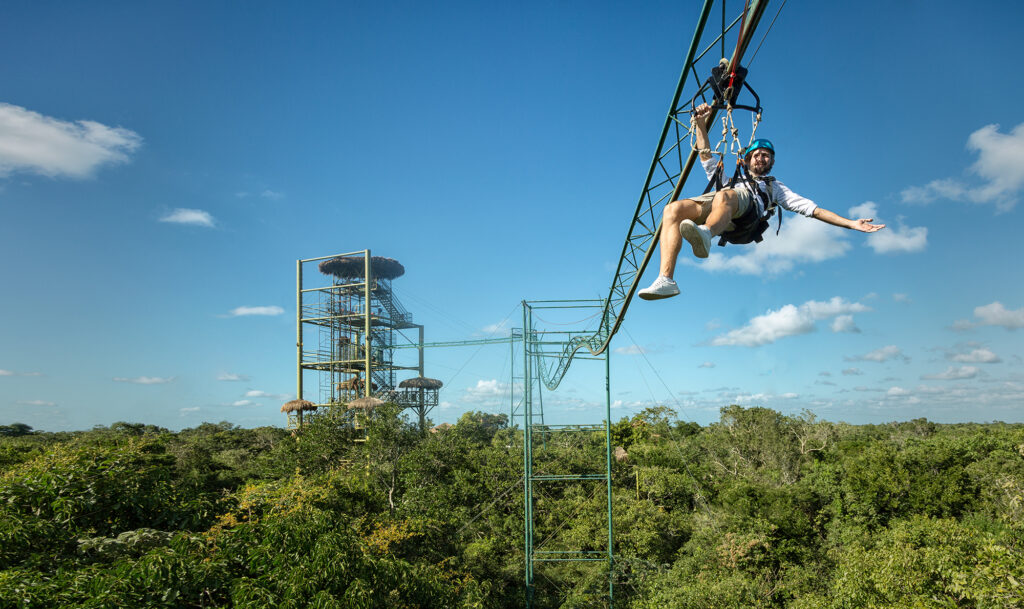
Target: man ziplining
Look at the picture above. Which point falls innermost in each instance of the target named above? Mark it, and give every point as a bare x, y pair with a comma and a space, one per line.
738, 212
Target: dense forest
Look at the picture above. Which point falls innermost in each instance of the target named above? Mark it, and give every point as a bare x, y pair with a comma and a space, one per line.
757, 510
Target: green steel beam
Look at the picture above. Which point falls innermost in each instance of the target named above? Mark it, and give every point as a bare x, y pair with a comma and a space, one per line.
461, 343
298, 329
367, 325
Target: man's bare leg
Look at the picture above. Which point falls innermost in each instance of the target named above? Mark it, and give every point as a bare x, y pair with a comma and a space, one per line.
675, 212
723, 207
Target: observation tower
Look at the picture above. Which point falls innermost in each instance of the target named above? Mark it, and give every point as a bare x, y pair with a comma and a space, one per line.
349, 324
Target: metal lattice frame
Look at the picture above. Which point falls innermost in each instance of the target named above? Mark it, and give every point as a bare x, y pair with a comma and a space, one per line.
547, 546
355, 322
673, 160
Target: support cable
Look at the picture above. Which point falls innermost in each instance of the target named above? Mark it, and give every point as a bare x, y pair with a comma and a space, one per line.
777, 13
682, 458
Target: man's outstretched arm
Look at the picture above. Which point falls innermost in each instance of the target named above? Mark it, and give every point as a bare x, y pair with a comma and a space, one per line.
863, 224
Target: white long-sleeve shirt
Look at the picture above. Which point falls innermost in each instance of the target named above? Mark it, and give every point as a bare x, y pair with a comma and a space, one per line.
777, 192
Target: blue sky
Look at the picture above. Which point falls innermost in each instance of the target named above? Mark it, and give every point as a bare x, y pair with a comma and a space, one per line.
163, 165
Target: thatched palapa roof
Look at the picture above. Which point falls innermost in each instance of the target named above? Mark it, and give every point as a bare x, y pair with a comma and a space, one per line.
366, 403
298, 405
351, 267
421, 382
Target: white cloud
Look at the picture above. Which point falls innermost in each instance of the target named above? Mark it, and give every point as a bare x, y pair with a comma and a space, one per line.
844, 323
493, 328
880, 355
145, 380
830, 308
194, 217
976, 356
242, 403
35, 403
897, 392
1000, 165
790, 320
747, 398
250, 311
486, 392
867, 209
14, 373
936, 189
185, 411
33, 143
995, 314
954, 374
1000, 162
630, 350
891, 240
901, 298
961, 325
256, 393
899, 239
266, 193
801, 240
707, 365
852, 372
768, 328
229, 377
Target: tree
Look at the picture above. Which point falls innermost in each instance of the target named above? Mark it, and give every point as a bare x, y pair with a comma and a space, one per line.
15, 429
388, 438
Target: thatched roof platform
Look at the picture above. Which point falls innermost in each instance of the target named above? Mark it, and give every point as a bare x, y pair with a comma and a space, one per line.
420, 382
366, 403
298, 406
441, 427
352, 267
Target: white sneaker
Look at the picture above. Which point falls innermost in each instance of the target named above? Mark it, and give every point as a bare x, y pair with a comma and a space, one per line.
699, 237
663, 287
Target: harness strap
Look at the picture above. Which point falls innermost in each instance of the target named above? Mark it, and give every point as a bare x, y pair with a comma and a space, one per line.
745, 227
716, 180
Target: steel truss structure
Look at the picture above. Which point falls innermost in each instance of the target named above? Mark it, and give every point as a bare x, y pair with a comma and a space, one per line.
668, 174
544, 478
356, 324
547, 356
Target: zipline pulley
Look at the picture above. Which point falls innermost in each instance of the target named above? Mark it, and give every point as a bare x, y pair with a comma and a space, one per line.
727, 83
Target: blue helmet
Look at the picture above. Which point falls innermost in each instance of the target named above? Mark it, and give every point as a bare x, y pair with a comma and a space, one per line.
766, 144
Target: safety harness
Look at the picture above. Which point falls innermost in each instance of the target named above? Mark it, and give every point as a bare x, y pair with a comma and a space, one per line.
750, 226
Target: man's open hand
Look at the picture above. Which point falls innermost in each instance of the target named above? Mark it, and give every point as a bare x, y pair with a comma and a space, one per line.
864, 225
